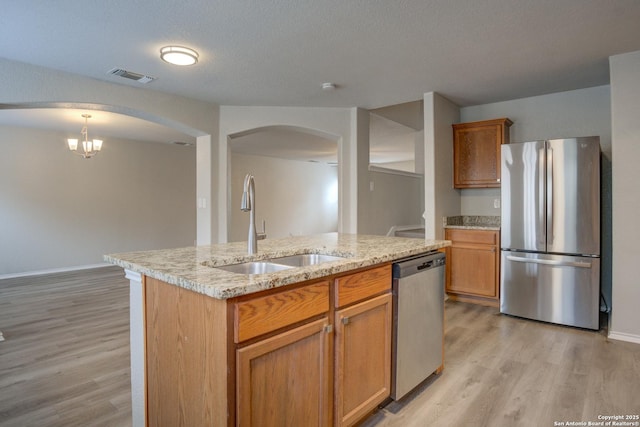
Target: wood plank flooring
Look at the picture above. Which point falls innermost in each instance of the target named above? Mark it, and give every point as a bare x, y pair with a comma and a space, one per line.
506, 371
65, 362
65, 358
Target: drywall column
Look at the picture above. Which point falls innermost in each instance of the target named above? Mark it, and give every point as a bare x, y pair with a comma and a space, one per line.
137, 343
625, 151
429, 167
440, 198
359, 168
206, 231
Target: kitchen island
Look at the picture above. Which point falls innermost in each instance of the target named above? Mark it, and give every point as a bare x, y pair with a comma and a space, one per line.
308, 345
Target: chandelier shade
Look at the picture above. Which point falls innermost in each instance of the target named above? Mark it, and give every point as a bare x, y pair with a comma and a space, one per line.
90, 147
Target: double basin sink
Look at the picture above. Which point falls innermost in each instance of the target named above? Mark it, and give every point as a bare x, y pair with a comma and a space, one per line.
277, 264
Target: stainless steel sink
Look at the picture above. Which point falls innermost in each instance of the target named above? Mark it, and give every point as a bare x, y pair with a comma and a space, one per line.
255, 267
304, 260
273, 265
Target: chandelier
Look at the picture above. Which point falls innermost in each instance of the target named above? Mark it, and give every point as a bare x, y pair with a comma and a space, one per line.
90, 147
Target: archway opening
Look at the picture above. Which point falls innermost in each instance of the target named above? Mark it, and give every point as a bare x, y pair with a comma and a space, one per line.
296, 176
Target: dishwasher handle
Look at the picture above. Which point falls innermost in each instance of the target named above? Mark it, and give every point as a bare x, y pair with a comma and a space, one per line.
425, 265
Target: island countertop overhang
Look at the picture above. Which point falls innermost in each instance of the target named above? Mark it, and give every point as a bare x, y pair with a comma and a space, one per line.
194, 268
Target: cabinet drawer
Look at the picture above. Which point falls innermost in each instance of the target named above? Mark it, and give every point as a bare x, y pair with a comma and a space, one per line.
358, 286
484, 237
271, 312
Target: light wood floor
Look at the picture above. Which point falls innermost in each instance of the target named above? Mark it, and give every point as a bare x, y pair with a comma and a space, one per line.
65, 362
506, 371
65, 358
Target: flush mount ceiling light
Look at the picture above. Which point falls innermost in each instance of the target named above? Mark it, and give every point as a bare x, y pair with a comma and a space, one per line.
328, 86
179, 55
90, 147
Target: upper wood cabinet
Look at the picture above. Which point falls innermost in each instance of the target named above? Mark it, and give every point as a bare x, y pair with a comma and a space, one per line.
476, 152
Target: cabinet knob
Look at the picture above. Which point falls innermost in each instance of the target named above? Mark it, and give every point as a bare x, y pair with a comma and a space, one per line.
345, 320
328, 328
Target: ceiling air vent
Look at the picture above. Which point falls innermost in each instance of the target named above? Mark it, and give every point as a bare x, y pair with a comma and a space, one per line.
140, 78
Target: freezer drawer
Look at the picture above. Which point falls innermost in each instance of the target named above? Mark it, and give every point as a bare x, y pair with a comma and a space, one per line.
552, 288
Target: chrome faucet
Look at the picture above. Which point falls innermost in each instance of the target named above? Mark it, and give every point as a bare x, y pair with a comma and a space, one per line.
249, 205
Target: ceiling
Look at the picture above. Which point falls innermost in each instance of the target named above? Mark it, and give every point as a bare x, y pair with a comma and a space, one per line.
279, 52
102, 124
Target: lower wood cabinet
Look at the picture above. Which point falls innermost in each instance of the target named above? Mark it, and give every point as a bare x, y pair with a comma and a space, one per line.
316, 353
472, 272
284, 380
363, 358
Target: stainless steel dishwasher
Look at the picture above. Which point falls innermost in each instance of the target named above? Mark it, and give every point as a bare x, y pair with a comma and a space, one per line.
418, 315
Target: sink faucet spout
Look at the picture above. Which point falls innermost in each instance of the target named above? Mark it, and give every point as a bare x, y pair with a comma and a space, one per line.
249, 205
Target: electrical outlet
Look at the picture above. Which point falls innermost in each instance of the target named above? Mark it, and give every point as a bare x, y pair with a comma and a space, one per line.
444, 221
496, 203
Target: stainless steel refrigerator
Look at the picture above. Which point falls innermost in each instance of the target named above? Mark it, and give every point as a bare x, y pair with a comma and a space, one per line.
550, 231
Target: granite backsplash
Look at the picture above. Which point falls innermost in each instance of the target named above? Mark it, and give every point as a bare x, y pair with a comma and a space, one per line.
473, 221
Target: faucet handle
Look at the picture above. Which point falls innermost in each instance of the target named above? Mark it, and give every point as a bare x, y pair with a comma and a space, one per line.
263, 234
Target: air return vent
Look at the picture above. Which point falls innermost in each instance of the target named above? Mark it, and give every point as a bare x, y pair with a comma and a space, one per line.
140, 78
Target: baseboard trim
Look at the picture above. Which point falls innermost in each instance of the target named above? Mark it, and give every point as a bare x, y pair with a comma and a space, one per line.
621, 336
53, 270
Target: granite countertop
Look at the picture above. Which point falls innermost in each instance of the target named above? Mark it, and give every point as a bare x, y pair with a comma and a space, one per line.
473, 222
194, 267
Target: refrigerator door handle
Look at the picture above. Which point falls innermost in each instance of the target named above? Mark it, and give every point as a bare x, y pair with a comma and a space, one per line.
549, 262
549, 196
542, 206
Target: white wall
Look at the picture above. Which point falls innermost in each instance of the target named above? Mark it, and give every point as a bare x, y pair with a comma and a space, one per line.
29, 85
294, 197
625, 113
479, 201
395, 198
441, 199
58, 210
583, 112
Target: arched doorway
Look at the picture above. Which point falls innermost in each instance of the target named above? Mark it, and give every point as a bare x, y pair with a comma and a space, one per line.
296, 174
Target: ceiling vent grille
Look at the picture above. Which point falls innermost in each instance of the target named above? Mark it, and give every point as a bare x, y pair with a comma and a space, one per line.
140, 78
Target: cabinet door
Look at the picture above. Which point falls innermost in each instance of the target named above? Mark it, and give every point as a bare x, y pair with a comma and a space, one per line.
472, 269
284, 380
476, 152
363, 358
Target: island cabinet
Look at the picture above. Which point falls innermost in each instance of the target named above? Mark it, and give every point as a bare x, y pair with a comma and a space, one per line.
476, 152
273, 373
363, 344
472, 269
317, 353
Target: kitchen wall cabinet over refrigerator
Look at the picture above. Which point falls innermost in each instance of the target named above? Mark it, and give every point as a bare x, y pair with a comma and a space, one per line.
476, 152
